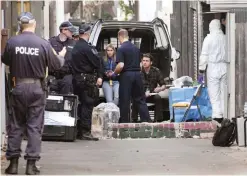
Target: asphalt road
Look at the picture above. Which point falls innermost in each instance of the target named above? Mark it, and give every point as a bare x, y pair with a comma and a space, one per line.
142, 157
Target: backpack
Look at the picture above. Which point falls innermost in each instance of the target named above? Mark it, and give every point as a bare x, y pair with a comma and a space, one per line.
226, 134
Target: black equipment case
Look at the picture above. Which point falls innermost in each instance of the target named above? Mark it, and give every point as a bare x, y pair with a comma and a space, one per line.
61, 103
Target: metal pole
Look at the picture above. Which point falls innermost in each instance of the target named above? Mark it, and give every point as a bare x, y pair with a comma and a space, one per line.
2, 96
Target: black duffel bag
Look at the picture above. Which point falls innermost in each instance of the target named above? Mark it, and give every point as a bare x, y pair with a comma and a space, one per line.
226, 134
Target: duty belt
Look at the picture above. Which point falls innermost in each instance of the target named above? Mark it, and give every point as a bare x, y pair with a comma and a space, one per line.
87, 75
28, 81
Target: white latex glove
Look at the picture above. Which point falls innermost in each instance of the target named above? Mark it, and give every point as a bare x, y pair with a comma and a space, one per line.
99, 82
63, 52
157, 89
147, 93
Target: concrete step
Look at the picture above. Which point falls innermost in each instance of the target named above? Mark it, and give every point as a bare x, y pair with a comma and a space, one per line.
160, 130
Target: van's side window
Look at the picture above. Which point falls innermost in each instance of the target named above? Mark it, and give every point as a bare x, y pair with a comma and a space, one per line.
164, 38
116, 44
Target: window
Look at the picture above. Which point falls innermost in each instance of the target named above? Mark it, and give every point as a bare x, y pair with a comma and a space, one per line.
105, 43
163, 36
136, 42
26, 6
114, 41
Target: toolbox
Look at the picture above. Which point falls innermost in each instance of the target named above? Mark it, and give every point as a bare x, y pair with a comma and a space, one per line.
60, 118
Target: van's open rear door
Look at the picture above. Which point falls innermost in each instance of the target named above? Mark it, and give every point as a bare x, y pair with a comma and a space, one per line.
161, 33
95, 32
163, 47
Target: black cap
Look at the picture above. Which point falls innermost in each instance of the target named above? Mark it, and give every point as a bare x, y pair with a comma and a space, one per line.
76, 32
67, 25
84, 28
25, 18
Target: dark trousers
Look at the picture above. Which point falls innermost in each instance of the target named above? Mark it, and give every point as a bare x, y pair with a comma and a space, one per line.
62, 86
131, 87
28, 105
65, 85
156, 99
87, 99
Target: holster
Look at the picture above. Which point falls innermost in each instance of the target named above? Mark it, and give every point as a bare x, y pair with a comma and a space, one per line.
94, 92
44, 85
88, 79
88, 83
59, 74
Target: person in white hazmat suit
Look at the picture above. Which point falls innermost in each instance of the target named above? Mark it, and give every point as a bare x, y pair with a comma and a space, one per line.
213, 61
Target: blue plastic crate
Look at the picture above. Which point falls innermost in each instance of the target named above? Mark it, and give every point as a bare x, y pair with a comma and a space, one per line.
185, 95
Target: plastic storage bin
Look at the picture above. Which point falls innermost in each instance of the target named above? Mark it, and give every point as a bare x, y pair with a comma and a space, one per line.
185, 94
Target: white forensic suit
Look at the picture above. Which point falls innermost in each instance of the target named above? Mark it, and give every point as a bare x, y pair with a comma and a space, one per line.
213, 57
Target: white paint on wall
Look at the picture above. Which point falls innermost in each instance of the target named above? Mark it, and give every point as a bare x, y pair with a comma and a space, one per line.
59, 14
165, 12
148, 11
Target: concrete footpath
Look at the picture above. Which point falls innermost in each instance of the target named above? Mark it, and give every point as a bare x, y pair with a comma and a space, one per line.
139, 156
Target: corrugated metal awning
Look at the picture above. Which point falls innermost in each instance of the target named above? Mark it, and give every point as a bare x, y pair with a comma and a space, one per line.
225, 5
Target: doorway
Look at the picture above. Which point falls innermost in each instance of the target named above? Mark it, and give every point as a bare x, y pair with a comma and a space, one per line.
228, 27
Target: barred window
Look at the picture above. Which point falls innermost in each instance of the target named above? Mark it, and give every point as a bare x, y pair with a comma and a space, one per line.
115, 42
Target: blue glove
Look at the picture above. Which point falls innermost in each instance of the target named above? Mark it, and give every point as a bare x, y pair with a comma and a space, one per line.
200, 79
113, 75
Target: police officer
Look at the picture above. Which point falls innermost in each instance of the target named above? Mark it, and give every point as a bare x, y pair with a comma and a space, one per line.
87, 76
28, 60
131, 86
64, 40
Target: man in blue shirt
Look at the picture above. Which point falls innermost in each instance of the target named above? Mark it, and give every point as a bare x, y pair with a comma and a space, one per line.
131, 86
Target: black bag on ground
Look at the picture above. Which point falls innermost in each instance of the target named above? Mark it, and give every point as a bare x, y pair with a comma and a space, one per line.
225, 135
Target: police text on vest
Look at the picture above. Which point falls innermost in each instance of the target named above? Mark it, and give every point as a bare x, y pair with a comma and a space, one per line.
27, 51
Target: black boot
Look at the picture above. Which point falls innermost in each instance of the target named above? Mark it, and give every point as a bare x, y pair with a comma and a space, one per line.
31, 168
79, 133
13, 167
79, 130
88, 136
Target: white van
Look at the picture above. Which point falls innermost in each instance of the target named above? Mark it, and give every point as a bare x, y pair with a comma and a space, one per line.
151, 37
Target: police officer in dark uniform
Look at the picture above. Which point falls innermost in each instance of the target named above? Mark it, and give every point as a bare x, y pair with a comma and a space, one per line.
28, 57
131, 85
63, 40
87, 76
